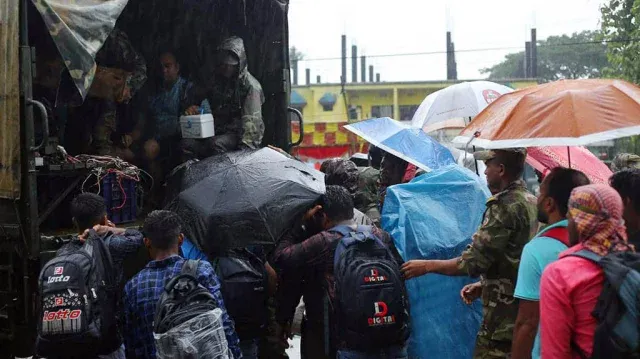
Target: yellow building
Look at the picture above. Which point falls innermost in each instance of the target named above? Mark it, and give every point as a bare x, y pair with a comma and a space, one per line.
328, 107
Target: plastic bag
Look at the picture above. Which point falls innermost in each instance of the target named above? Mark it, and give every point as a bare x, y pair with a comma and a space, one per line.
201, 337
434, 217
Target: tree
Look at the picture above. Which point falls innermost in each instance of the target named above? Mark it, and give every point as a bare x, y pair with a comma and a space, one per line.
621, 32
579, 55
295, 55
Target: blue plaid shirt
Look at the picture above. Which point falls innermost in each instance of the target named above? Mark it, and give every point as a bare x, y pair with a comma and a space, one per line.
141, 294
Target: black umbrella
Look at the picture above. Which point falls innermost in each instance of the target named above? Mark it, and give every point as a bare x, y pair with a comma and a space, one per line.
244, 198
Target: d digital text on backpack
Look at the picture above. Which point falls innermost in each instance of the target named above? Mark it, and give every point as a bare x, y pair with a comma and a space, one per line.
371, 307
78, 307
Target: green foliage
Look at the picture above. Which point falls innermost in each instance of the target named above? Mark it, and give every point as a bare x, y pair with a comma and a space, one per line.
575, 56
621, 31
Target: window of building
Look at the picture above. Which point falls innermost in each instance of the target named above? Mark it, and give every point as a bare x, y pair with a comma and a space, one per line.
407, 112
382, 111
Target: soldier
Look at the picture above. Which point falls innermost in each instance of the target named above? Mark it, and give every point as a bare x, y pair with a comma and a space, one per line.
625, 161
510, 221
117, 52
344, 173
236, 100
366, 197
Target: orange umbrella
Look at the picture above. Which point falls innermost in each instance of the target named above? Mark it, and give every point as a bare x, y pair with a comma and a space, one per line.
561, 113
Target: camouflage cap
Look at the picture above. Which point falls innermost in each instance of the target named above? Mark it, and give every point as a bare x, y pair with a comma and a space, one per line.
625, 161
341, 172
491, 154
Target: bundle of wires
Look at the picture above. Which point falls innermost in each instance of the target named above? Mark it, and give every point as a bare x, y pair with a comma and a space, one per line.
103, 166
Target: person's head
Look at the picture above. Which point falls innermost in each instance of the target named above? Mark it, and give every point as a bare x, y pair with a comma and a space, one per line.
88, 210
555, 190
375, 156
162, 233
228, 64
624, 161
503, 167
627, 184
170, 68
341, 172
337, 207
595, 218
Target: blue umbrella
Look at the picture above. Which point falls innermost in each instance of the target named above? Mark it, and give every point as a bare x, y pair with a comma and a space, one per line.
410, 144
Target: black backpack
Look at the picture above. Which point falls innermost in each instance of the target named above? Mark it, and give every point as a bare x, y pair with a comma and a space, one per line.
617, 335
78, 307
244, 284
183, 299
371, 310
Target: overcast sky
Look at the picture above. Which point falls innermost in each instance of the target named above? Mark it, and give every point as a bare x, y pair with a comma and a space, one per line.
383, 27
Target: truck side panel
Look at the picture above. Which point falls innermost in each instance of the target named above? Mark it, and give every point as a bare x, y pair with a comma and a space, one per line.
9, 101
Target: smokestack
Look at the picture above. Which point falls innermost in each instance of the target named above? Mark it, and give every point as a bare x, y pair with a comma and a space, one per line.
343, 79
294, 66
370, 73
308, 76
378, 77
318, 78
454, 64
534, 54
363, 69
527, 59
354, 63
449, 72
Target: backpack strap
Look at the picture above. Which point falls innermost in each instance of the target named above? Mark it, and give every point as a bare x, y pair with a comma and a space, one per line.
560, 234
587, 254
351, 236
189, 270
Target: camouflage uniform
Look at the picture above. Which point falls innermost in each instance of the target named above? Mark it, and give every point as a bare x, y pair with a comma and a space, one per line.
236, 108
509, 222
117, 52
366, 197
625, 161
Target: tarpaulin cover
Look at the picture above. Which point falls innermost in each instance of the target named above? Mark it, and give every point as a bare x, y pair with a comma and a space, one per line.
410, 144
434, 217
79, 29
246, 197
9, 101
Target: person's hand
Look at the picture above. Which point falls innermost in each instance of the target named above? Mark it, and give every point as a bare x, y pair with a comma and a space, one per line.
415, 268
126, 94
471, 292
191, 111
310, 213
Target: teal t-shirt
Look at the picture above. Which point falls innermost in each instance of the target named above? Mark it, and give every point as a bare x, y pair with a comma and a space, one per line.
536, 255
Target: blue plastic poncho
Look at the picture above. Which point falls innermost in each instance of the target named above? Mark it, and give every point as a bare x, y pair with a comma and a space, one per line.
434, 217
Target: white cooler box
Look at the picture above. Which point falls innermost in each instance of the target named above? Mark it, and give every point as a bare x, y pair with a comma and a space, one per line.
197, 126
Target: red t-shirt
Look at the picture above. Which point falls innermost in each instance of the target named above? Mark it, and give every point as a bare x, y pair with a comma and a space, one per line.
569, 290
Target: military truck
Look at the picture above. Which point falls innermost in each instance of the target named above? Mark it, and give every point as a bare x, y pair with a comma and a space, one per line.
34, 31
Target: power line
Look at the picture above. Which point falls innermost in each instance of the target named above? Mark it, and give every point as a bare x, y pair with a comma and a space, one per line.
476, 50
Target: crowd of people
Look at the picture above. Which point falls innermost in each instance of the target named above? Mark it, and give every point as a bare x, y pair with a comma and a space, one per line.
141, 123
536, 260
